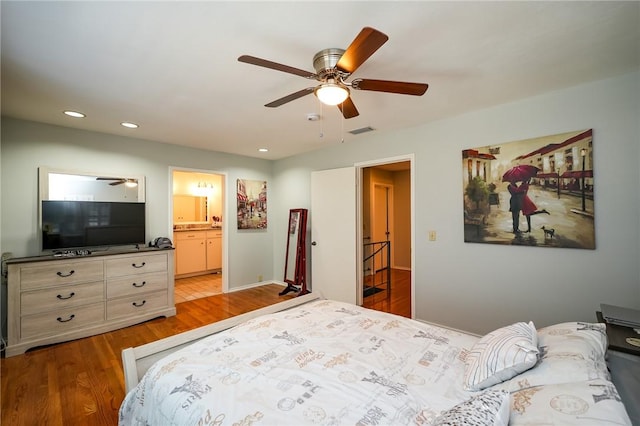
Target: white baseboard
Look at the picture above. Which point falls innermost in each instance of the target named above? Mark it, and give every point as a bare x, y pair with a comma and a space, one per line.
448, 328
258, 284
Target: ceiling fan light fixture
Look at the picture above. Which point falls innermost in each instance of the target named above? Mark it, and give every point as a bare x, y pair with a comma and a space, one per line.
332, 93
131, 183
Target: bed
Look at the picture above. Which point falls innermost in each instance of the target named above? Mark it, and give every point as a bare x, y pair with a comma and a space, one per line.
316, 361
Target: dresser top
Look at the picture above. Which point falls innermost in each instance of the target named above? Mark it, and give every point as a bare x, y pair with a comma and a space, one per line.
71, 254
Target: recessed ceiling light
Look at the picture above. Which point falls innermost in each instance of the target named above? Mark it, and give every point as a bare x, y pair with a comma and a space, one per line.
263, 150
129, 125
75, 114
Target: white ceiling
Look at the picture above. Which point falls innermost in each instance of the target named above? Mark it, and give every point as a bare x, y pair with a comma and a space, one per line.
172, 67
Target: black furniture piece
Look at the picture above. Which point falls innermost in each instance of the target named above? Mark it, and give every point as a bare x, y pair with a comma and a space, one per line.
623, 360
618, 336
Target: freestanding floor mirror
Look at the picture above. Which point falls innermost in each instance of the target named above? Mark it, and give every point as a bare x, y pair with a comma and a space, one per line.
295, 264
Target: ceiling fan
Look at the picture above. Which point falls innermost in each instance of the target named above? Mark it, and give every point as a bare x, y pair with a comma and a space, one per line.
119, 181
333, 66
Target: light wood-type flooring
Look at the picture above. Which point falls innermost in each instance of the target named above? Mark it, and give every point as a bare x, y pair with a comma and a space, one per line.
197, 287
81, 382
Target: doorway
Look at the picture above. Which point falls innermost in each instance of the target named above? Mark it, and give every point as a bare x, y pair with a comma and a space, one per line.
197, 203
387, 237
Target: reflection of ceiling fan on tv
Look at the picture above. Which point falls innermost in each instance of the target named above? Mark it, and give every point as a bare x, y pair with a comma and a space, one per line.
333, 67
119, 181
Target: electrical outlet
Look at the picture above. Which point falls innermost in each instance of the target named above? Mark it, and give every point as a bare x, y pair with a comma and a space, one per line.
432, 235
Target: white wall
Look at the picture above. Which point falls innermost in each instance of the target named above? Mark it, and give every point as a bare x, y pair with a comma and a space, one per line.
28, 145
475, 287
478, 287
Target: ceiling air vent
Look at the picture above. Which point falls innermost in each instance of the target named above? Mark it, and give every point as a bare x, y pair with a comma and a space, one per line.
361, 130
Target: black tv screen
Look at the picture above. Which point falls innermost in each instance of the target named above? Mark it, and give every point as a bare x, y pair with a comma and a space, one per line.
79, 224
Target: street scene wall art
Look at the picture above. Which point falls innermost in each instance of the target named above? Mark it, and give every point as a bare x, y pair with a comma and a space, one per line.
252, 204
535, 192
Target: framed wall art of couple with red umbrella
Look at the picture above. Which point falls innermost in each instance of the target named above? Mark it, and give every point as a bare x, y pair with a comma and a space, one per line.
535, 192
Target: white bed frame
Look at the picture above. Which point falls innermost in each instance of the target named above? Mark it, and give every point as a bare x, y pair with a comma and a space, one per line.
136, 361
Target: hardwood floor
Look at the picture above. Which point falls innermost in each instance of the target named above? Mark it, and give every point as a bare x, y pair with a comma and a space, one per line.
81, 382
399, 301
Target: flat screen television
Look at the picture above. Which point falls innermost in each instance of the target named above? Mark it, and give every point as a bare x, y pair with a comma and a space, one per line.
83, 224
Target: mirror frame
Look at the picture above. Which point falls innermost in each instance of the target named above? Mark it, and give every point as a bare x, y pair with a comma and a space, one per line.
297, 224
43, 181
43, 188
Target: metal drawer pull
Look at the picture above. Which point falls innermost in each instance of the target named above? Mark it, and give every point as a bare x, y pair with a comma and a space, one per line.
137, 306
60, 274
67, 320
61, 297
139, 285
138, 266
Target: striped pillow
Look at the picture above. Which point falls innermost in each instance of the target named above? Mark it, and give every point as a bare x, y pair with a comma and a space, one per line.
501, 355
489, 408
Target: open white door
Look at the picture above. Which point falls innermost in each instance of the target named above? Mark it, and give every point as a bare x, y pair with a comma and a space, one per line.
333, 234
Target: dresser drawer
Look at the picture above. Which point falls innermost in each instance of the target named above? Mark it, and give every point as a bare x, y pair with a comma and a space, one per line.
136, 265
136, 284
61, 321
60, 273
136, 305
54, 299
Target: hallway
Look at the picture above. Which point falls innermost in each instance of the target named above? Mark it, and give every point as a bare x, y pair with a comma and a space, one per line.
399, 302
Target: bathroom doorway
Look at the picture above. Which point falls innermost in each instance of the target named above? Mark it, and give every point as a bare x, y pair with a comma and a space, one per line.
197, 203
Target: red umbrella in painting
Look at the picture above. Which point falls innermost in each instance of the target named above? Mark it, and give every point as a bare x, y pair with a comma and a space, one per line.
520, 173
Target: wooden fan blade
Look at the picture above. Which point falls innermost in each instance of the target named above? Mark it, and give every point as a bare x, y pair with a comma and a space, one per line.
116, 183
400, 87
276, 66
348, 108
290, 97
362, 47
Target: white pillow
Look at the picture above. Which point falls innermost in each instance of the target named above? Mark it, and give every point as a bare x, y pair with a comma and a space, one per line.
501, 355
490, 408
569, 352
581, 338
595, 402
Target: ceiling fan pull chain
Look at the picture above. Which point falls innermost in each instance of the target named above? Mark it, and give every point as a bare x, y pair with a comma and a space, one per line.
321, 121
342, 123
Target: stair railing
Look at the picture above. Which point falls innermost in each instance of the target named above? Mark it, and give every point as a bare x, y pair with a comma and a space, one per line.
377, 267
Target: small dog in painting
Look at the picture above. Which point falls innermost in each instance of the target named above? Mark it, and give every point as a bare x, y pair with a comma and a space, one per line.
548, 232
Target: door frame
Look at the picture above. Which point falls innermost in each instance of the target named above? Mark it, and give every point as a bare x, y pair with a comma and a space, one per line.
225, 221
359, 218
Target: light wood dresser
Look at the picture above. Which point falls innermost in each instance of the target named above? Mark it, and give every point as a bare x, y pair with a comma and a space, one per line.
56, 299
